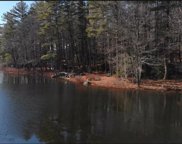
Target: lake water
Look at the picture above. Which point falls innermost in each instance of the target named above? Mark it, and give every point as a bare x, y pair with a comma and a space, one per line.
40, 110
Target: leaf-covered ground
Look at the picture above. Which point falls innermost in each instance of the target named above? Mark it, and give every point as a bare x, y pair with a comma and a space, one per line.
102, 80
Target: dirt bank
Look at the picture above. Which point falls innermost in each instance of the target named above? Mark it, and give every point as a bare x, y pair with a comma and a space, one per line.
114, 82
102, 80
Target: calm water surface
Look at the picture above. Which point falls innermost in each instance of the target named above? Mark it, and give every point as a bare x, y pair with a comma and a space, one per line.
39, 110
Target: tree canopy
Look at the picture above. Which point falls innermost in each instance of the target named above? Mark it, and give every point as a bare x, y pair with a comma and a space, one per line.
126, 38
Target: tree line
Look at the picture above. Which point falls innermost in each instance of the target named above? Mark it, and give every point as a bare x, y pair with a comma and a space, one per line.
127, 38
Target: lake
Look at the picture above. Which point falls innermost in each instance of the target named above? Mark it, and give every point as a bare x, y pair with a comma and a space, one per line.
35, 109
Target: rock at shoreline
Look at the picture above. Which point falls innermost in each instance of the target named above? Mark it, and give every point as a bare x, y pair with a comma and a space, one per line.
86, 83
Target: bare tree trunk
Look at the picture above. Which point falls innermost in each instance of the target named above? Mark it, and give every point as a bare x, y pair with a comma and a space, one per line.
109, 53
179, 49
165, 69
117, 59
139, 72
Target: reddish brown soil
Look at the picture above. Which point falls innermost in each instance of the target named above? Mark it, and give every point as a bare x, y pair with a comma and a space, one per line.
101, 80
15, 71
23, 71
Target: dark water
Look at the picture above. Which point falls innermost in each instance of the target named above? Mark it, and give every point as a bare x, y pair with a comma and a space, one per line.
39, 110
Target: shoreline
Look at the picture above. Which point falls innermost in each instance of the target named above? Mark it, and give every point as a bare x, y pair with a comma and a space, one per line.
102, 80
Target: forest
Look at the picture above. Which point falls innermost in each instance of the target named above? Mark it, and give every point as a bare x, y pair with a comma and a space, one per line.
129, 39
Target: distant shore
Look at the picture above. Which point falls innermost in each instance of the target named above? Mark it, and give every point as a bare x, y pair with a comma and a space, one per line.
102, 80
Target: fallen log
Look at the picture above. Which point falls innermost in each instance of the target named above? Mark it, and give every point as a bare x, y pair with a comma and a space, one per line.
60, 74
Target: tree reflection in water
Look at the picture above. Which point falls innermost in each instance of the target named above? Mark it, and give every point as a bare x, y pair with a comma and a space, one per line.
67, 113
